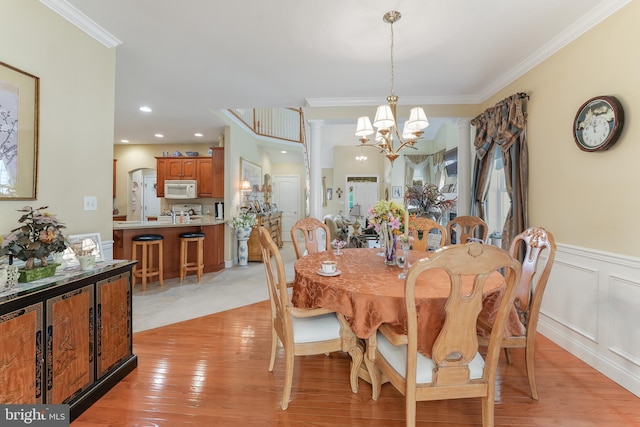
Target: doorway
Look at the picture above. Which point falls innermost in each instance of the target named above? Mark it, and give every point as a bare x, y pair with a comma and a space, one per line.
286, 196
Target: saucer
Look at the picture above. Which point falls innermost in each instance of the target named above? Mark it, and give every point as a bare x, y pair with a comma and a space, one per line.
322, 273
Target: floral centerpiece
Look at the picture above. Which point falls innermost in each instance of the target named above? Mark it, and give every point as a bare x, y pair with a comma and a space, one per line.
39, 235
386, 217
428, 200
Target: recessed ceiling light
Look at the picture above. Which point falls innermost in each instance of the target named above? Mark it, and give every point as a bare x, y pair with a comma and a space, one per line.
199, 135
159, 135
126, 141
145, 109
283, 152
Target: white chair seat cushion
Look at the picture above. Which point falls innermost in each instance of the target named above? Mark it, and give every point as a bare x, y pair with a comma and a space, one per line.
396, 355
317, 328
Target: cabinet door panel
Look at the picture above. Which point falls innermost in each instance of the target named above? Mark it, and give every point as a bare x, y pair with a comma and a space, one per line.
174, 169
205, 178
161, 176
70, 344
21, 356
113, 322
217, 177
189, 169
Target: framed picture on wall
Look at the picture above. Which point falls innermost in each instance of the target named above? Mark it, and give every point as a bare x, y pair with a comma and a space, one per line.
396, 192
19, 92
329, 193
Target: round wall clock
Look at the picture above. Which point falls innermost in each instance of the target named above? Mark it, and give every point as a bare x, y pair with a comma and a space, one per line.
598, 123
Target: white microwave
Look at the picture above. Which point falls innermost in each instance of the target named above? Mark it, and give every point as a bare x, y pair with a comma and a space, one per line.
181, 189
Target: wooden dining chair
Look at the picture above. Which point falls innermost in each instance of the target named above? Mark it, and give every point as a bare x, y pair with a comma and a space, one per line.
464, 227
424, 226
532, 243
309, 228
455, 369
302, 332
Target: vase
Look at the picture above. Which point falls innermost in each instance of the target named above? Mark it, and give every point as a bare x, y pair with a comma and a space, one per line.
434, 213
243, 249
37, 273
389, 239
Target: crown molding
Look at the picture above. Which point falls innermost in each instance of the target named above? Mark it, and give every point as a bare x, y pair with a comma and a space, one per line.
588, 21
82, 21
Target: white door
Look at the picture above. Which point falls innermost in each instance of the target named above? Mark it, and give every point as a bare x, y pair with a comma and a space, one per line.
150, 202
364, 193
286, 195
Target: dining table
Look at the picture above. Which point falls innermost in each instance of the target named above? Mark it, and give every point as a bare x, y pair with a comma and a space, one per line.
368, 293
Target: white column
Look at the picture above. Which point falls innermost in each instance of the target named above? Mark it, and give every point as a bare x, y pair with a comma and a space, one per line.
315, 168
464, 166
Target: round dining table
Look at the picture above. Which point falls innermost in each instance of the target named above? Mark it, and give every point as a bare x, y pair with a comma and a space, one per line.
369, 293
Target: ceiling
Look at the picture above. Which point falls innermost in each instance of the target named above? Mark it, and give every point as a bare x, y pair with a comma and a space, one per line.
185, 59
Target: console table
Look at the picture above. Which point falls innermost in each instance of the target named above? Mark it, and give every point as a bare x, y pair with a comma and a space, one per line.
68, 338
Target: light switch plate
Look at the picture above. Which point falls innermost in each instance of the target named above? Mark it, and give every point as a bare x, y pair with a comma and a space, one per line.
90, 203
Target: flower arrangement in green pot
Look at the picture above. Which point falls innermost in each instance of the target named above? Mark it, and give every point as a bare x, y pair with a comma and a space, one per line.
39, 235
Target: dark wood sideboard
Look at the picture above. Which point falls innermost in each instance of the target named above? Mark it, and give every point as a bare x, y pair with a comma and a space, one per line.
68, 340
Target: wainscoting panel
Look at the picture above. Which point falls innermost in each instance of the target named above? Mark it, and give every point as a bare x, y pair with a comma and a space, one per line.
590, 308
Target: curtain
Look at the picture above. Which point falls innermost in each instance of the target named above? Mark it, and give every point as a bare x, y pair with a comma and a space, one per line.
502, 127
438, 169
415, 161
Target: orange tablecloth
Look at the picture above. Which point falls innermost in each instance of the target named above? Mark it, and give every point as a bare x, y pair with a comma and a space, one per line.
368, 293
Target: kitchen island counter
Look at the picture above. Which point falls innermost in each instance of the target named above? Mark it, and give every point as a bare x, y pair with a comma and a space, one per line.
125, 231
166, 223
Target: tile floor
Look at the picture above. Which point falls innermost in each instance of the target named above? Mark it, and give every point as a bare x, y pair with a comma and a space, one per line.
230, 288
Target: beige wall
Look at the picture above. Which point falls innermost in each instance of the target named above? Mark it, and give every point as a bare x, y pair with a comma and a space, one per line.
585, 199
76, 115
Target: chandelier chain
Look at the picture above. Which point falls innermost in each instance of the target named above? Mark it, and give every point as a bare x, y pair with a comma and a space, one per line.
392, 67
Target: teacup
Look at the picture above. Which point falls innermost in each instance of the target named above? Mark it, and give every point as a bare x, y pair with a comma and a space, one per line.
329, 267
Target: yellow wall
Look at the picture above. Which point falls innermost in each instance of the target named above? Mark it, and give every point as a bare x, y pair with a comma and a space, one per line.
77, 77
585, 199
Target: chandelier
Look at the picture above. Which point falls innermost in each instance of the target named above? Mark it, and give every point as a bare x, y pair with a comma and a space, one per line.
388, 137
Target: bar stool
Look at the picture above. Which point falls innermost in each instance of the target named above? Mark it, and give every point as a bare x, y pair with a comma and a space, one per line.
185, 265
148, 269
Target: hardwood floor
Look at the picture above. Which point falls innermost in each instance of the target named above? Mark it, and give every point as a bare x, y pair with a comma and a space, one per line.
212, 371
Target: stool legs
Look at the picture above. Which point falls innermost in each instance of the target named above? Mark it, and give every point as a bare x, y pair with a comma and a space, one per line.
147, 262
185, 265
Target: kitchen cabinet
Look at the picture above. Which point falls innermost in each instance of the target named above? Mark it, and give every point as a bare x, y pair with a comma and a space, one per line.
272, 222
207, 171
69, 340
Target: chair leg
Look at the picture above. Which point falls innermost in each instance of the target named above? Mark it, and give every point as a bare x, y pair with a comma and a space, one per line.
288, 375
529, 360
183, 259
410, 411
274, 345
160, 264
487, 411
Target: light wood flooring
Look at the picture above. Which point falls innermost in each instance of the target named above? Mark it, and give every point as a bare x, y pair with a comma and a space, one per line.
212, 371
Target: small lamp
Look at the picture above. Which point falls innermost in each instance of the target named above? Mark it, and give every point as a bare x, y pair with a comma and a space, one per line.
356, 212
246, 188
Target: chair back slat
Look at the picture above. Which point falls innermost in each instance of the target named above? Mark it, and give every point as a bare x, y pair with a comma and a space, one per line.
313, 230
425, 226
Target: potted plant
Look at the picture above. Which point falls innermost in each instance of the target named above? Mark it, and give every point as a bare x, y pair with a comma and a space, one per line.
39, 235
428, 200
